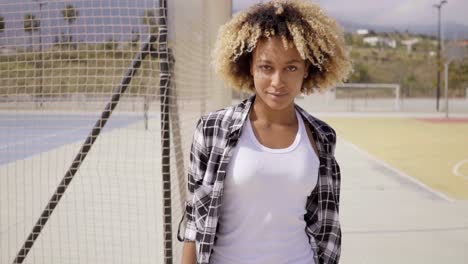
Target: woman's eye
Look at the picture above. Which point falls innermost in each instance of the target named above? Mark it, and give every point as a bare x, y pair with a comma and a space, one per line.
265, 67
292, 68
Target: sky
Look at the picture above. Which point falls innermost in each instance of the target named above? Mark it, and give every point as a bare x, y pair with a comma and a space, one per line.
102, 19
98, 20
387, 12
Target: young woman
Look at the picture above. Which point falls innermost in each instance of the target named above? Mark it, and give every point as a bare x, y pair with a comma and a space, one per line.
263, 178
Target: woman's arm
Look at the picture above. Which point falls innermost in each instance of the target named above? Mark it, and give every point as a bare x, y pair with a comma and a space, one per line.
188, 253
196, 171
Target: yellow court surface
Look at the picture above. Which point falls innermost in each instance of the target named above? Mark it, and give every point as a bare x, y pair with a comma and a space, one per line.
433, 151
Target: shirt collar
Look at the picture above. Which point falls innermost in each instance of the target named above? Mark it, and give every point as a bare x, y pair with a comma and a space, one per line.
241, 111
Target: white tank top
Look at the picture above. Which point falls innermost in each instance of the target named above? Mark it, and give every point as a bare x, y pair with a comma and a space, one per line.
265, 192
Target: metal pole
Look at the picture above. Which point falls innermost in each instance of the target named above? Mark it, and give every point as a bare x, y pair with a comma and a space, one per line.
446, 67
439, 51
438, 59
165, 97
397, 99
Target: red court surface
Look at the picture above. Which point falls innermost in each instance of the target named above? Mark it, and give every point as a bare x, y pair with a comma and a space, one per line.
444, 120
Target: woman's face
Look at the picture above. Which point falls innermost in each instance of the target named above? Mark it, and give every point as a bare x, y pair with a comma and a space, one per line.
278, 73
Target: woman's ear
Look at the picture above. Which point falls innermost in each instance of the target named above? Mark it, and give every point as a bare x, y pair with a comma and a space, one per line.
306, 69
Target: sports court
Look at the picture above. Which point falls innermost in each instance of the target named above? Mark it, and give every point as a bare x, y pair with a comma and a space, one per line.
21, 133
432, 150
404, 199
93, 204
388, 214
389, 218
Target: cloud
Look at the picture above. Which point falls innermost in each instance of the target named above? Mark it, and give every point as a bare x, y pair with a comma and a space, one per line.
387, 12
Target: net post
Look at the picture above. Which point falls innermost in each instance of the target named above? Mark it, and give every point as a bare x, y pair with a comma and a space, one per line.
164, 86
454, 51
397, 97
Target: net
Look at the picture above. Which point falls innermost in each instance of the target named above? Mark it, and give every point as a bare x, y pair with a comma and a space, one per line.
357, 97
98, 101
454, 51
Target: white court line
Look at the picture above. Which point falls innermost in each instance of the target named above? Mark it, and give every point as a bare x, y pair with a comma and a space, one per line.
457, 167
398, 172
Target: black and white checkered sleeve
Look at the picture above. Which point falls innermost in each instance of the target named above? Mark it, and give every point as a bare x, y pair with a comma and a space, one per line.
196, 171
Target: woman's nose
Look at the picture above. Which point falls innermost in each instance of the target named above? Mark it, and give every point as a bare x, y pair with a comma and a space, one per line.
277, 79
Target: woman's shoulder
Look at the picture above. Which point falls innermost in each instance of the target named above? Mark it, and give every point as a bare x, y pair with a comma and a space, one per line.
315, 121
216, 126
224, 116
319, 125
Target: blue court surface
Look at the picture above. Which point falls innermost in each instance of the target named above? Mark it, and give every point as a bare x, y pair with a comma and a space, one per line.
25, 135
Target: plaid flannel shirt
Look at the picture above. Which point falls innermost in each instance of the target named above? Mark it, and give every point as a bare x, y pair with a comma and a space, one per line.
215, 136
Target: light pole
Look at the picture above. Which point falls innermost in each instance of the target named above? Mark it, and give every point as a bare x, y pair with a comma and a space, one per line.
439, 50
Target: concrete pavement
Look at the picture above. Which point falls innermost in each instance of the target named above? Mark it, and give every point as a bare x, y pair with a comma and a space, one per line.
388, 218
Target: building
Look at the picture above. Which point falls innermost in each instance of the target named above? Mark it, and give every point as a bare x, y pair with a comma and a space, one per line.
362, 32
409, 44
380, 41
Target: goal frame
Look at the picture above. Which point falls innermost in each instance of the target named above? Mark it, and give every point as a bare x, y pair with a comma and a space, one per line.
396, 87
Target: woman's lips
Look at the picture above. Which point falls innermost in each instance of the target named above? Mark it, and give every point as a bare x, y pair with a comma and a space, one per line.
275, 96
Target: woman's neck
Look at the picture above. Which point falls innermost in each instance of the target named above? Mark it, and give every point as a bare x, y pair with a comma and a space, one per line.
262, 112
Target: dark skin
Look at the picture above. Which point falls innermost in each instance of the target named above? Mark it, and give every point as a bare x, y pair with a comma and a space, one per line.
278, 75
188, 254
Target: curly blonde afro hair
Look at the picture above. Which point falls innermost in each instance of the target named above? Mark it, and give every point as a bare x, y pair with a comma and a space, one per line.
317, 37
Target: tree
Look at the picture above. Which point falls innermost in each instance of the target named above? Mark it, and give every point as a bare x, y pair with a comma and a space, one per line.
349, 38
2, 24
70, 14
151, 20
111, 44
135, 37
458, 77
408, 84
31, 24
360, 74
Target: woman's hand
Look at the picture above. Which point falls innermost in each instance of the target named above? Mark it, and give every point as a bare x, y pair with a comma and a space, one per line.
189, 253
